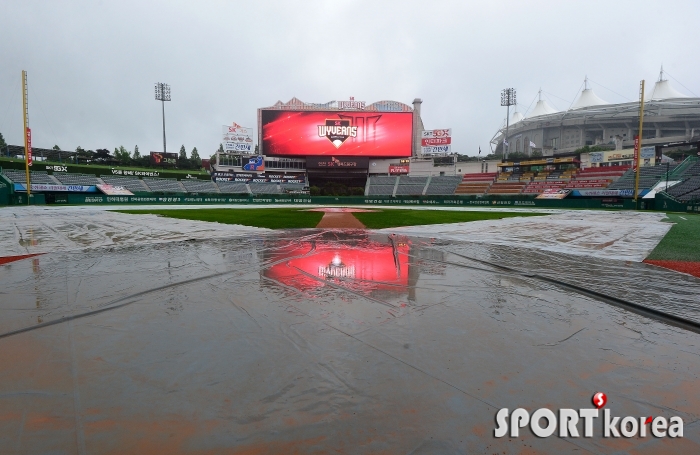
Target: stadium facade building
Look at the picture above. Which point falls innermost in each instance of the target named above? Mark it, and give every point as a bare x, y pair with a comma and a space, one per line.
341, 141
670, 119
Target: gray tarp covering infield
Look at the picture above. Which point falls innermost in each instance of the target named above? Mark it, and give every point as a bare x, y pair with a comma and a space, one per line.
332, 342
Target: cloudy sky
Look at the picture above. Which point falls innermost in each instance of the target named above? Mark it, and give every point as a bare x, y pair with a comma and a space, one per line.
92, 64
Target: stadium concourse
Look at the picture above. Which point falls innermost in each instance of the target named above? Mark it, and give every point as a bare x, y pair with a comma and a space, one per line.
144, 334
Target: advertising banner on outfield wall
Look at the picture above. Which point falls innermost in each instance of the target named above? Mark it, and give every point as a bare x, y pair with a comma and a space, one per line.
237, 138
163, 159
599, 192
110, 190
436, 142
59, 188
553, 193
255, 163
429, 141
340, 162
437, 150
329, 133
244, 177
395, 169
445, 132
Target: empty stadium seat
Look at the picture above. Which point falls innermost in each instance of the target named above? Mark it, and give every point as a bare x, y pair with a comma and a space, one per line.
133, 184
232, 187
381, 185
39, 177
78, 179
264, 188
506, 188
199, 186
648, 177
443, 185
164, 185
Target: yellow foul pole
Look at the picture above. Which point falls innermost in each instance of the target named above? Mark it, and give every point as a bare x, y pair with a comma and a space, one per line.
25, 117
638, 143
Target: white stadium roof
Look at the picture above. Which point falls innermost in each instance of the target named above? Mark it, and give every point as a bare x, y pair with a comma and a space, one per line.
588, 98
664, 91
517, 116
541, 108
675, 117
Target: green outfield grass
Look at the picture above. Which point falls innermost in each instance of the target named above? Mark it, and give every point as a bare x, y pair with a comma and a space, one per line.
276, 218
682, 243
264, 218
399, 217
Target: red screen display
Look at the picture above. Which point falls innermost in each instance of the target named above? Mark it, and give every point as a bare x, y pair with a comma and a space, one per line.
340, 133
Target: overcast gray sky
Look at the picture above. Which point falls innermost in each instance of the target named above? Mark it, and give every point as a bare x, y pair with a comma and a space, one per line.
92, 64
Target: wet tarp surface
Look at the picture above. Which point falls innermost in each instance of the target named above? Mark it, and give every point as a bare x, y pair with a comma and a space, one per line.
316, 341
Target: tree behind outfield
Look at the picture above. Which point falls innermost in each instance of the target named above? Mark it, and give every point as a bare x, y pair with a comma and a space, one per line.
122, 155
194, 157
183, 153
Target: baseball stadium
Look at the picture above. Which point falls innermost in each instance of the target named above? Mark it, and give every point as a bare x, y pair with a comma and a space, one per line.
347, 285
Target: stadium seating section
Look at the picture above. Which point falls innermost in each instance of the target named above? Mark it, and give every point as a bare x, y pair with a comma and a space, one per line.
36, 177
158, 185
689, 187
164, 185
233, 187
648, 177
413, 186
503, 183
200, 186
77, 179
264, 188
133, 184
443, 185
381, 186
475, 183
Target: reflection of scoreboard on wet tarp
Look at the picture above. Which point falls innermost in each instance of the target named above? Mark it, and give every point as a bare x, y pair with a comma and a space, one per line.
368, 265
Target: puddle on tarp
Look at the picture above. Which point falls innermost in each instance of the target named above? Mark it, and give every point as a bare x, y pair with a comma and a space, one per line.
315, 341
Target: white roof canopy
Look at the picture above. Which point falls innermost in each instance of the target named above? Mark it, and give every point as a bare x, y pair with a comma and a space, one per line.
663, 89
541, 108
516, 117
588, 98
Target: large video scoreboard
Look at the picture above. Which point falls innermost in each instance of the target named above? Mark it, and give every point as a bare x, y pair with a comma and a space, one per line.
336, 133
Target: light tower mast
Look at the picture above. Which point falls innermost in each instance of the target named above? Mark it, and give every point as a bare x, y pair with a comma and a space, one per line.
163, 95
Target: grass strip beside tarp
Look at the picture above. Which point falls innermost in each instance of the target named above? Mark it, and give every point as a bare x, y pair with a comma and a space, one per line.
399, 217
682, 242
283, 218
263, 218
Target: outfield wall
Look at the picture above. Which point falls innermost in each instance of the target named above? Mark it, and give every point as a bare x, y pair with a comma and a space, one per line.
665, 202
662, 202
406, 201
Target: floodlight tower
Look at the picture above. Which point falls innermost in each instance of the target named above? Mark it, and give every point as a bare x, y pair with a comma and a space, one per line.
507, 99
163, 95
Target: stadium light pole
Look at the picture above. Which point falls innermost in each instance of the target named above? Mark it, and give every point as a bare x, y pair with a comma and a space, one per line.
163, 95
508, 100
